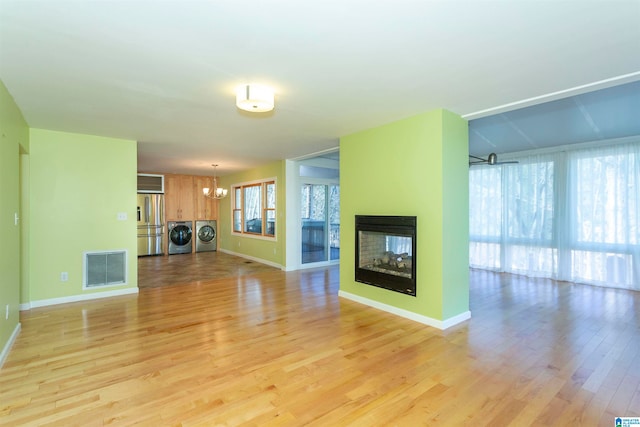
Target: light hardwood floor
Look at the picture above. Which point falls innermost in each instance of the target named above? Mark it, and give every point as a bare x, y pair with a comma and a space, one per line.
282, 349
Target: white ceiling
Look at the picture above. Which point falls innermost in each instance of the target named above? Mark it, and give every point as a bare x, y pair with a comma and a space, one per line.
163, 72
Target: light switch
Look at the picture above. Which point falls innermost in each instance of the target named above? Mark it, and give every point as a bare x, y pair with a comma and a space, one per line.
122, 216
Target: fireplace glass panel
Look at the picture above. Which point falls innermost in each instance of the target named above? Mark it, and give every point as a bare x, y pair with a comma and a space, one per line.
386, 253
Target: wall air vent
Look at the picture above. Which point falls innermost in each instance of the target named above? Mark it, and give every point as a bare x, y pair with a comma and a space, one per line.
105, 268
148, 183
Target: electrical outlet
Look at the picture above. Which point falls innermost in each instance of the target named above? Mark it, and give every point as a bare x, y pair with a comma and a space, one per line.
122, 216
6, 316
64, 276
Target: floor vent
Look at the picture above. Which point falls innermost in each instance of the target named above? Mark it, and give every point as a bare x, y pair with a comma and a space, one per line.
107, 268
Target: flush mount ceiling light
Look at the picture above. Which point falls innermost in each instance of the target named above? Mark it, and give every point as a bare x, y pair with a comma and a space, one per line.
216, 192
255, 98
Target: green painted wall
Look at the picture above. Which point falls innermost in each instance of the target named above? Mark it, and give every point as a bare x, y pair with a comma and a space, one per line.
268, 250
77, 185
416, 166
25, 228
455, 217
14, 138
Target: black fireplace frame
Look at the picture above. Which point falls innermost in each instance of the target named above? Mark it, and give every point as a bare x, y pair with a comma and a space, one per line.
393, 225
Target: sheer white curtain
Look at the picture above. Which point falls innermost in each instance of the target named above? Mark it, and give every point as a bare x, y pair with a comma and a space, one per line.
485, 224
571, 215
605, 185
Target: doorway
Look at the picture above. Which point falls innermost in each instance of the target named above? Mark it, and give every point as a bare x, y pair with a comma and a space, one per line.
320, 220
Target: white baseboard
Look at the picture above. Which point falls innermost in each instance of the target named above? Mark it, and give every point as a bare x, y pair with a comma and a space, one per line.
439, 324
323, 264
9, 344
260, 260
76, 298
452, 321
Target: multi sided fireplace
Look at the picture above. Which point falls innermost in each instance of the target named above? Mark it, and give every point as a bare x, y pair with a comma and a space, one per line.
386, 252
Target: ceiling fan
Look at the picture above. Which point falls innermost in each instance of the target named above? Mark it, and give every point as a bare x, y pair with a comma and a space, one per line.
491, 160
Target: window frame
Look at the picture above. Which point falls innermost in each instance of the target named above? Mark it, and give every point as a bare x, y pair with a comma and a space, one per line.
238, 208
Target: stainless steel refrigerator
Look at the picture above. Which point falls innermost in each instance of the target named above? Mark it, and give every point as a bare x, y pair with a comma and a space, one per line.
150, 224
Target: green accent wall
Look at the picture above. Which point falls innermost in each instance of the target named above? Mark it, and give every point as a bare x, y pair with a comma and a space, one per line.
77, 186
415, 167
25, 228
262, 249
455, 215
14, 139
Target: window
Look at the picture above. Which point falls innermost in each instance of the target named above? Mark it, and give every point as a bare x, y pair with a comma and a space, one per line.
571, 215
313, 201
485, 225
606, 216
254, 208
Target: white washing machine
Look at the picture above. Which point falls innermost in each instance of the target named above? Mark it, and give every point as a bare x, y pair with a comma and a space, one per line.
206, 236
180, 237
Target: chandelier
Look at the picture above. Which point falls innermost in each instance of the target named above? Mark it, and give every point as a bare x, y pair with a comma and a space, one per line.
215, 192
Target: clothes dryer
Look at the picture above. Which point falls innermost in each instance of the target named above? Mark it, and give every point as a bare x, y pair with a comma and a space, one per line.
180, 237
206, 236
